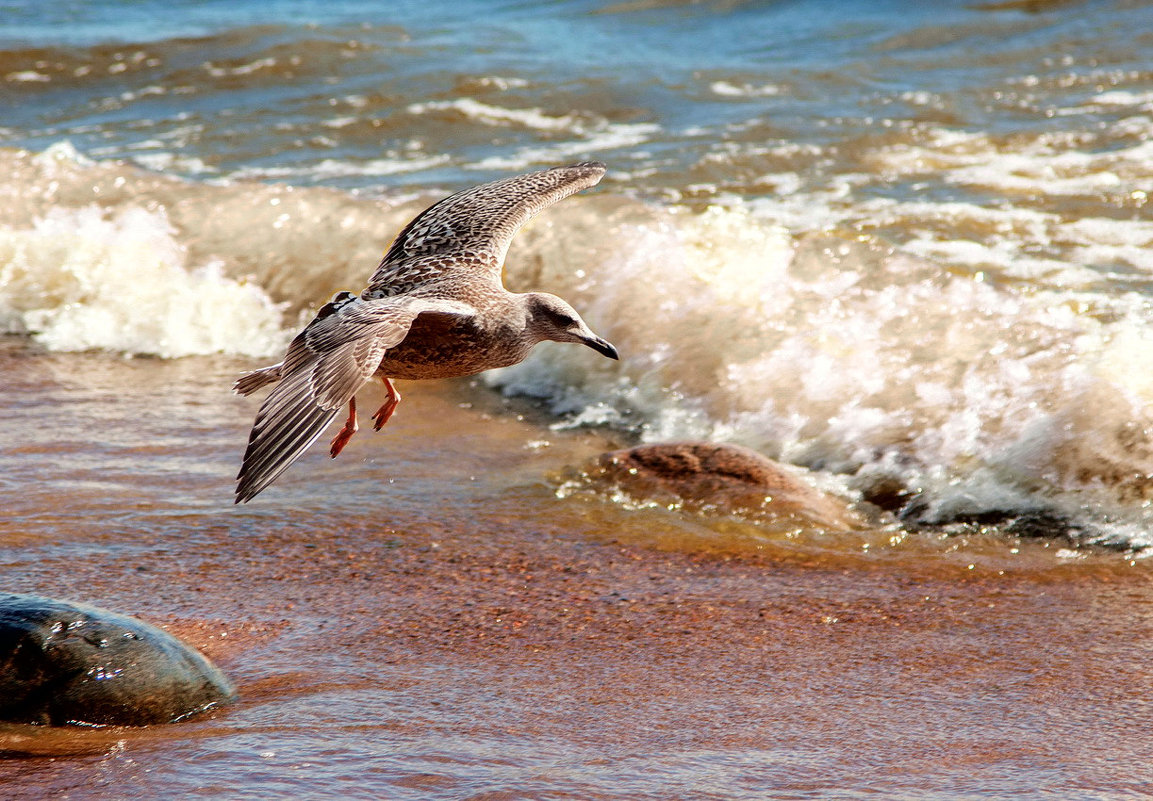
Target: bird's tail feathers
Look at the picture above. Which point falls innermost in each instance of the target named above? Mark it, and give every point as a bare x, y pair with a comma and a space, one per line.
250, 382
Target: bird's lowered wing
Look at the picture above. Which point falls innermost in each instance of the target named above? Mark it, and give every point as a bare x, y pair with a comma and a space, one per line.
325, 366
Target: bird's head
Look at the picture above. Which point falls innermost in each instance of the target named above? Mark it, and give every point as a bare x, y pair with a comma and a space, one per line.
550, 318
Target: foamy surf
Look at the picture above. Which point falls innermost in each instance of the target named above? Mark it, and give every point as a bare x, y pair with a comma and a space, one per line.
106, 255
950, 394
93, 277
971, 401
80, 280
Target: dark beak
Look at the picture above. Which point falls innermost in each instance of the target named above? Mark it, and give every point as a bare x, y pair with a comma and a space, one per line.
603, 347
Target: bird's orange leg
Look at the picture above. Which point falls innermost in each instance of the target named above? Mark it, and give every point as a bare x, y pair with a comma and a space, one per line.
345, 434
390, 404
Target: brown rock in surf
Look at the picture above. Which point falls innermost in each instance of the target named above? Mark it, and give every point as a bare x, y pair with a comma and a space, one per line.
721, 477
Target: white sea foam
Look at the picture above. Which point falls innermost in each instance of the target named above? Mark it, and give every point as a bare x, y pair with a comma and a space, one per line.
164, 160
1121, 97
841, 354
84, 279
1045, 164
602, 140
326, 169
499, 82
27, 76
62, 152
488, 114
589, 133
1027, 233
243, 69
730, 89
1020, 242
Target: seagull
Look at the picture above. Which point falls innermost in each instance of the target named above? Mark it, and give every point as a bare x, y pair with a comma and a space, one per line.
436, 307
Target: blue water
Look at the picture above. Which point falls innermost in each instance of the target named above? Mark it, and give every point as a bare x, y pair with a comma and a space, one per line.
645, 33
833, 68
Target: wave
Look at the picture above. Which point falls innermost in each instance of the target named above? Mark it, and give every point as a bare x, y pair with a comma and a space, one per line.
117, 278
64, 282
947, 392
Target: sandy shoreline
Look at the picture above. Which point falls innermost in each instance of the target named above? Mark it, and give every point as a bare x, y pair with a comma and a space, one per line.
463, 633
498, 634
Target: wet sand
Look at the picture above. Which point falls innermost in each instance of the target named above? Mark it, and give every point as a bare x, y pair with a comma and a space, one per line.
463, 633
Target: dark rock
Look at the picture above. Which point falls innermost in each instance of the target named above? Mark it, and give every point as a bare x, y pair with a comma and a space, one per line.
727, 478
64, 663
886, 492
1037, 524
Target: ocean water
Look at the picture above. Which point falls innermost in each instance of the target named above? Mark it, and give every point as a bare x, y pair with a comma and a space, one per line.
907, 247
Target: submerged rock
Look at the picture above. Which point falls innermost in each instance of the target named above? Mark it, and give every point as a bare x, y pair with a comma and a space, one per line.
63, 662
727, 478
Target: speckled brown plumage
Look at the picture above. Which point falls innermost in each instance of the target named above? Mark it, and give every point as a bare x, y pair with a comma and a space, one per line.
434, 308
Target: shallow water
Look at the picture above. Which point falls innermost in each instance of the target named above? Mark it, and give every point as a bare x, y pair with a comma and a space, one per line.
903, 247
424, 617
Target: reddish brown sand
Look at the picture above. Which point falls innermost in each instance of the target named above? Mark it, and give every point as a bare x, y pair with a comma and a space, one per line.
464, 633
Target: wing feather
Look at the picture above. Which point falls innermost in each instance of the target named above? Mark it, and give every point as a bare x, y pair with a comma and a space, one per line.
475, 226
325, 366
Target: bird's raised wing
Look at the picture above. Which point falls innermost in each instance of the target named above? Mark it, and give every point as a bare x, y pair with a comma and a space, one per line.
325, 366
474, 227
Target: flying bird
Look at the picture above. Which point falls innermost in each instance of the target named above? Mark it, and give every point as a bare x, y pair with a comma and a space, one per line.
435, 308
